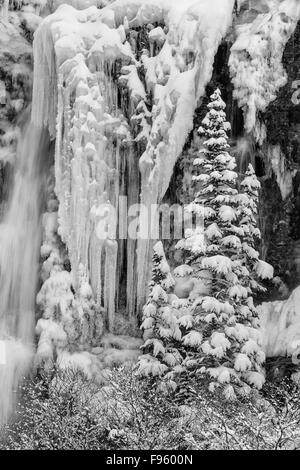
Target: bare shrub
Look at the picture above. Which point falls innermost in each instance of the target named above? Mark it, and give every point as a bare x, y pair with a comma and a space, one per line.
66, 410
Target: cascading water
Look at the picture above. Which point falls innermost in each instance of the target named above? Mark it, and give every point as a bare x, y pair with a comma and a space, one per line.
20, 234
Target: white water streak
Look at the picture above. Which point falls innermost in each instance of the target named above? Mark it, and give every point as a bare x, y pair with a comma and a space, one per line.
20, 234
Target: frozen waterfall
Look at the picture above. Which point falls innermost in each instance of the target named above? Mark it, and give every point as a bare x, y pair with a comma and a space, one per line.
120, 102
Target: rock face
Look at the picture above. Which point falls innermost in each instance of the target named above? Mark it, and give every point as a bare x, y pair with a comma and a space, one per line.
16, 63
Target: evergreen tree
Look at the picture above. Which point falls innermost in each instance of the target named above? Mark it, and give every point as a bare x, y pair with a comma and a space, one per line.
248, 203
220, 336
161, 331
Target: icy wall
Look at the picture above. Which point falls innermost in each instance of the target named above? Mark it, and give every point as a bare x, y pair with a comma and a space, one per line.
118, 87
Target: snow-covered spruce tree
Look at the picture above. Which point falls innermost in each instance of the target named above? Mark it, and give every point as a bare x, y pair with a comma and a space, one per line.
220, 334
248, 209
161, 331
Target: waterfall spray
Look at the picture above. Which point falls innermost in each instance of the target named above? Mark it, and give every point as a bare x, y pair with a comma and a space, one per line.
20, 235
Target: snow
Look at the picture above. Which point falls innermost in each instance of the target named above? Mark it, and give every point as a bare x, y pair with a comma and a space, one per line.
116, 357
256, 379
186, 321
239, 331
131, 79
284, 176
194, 241
76, 361
256, 60
120, 342
51, 335
221, 374
219, 340
227, 214
157, 35
220, 264
250, 347
213, 231
219, 346
264, 270
159, 294
210, 304
183, 287
193, 339
149, 366
68, 320
238, 291
231, 241
280, 325
183, 270
242, 362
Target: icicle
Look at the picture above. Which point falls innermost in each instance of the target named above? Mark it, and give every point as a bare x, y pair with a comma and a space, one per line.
4, 10
44, 104
111, 252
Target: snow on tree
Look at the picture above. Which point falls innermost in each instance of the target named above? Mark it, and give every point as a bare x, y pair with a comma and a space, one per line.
161, 331
221, 337
248, 202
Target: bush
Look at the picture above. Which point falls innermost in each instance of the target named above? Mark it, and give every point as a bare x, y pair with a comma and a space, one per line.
265, 421
65, 410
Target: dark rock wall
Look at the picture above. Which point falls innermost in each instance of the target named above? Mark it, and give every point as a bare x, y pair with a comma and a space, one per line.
282, 218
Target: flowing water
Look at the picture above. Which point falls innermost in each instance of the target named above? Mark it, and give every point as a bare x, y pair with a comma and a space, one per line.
20, 237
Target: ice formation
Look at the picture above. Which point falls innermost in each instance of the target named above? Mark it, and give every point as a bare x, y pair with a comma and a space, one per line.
256, 59
93, 87
68, 321
92, 140
280, 326
284, 176
4, 9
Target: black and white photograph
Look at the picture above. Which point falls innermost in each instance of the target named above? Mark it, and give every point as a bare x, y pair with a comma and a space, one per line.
149, 228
